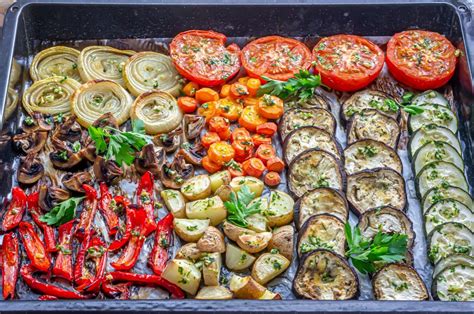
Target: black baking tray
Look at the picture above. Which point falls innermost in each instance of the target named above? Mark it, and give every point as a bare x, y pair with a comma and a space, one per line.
30, 21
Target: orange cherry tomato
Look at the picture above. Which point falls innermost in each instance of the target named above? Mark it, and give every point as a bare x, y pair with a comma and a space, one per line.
208, 110
225, 135
238, 90
268, 128
221, 153
209, 138
243, 80
275, 164
190, 89
218, 124
253, 85
250, 118
272, 178
187, 104
229, 109
253, 167
259, 139
265, 152
225, 91
209, 166
270, 107
235, 169
206, 94
240, 134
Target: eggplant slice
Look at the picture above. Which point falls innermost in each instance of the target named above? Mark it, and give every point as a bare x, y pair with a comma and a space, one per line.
312, 169
322, 232
455, 283
436, 194
325, 275
296, 118
321, 201
448, 210
430, 133
317, 101
448, 239
309, 137
376, 188
439, 173
387, 220
436, 151
371, 124
399, 282
370, 154
368, 99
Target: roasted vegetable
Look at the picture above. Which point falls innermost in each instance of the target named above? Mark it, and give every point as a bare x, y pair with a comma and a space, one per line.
190, 230
322, 231
237, 259
184, 274
300, 117
268, 266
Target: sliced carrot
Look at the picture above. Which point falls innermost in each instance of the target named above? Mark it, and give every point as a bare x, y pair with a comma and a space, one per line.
272, 178
243, 80
268, 128
208, 110
221, 153
225, 135
210, 138
225, 91
218, 124
253, 85
229, 109
275, 164
250, 101
235, 169
190, 89
270, 107
265, 152
187, 104
259, 139
253, 167
206, 94
238, 90
209, 166
250, 118
240, 133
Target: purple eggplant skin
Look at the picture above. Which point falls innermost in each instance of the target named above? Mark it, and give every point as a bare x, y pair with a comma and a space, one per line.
343, 262
286, 119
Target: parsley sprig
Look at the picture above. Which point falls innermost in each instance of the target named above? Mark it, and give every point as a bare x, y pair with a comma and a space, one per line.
303, 85
405, 105
238, 206
383, 247
63, 212
117, 145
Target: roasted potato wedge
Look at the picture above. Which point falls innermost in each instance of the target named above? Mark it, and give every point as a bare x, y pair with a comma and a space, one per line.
174, 202
246, 288
268, 295
224, 192
280, 210
197, 187
283, 241
214, 293
184, 274
211, 208
211, 268
233, 232
254, 243
190, 230
212, 241
268, 266
219, 179
189, 251
255, 185
237, 259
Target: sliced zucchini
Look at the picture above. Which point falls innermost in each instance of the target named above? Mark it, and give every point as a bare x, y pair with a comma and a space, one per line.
316, 101
308, 137
436, 151
439, 173
399, 282
322, 231
433, 114
313, 169
280, 210
387, 220
430, 97
375, 188
443, 192
448, 239
452, 260
371, 124
430, 133
321, 201
448, 210
197, 187
455, 283
268, 266
325, 275
368, 99
237, 259
296, 118
370, 154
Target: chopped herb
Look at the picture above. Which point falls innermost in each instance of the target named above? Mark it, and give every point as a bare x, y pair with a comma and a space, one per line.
29, 121
238, 206
62, 213
76, 146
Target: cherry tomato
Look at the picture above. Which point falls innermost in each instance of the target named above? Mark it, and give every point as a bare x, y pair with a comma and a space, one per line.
187, 104
221, 153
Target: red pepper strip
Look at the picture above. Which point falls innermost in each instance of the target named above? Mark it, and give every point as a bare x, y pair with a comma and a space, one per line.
89, 210
119, 291
106, 208
91, 249
15, 211
47, 298
159, 254
63, 265
34, 247
117, 244
140, 228
45, 288
48, 231
10, 265
144, 279
145, 198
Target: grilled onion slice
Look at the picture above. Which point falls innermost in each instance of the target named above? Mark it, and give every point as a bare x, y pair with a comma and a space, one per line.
12, 102
55, 61
51, 95
146, 71
159, 112
95, 98
15, 73
103, 63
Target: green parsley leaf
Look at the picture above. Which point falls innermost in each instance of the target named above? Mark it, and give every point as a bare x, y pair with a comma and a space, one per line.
238, 206
62, 213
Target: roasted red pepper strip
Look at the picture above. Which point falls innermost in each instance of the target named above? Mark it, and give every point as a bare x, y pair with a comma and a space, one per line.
144, 279
45, 288
119, 291
89, 210
34, 248
140, 228
10, 265
63, 265
91, 249
48, 231
145, 193
47, 298
117, 244
16, 210
163, 237
106, 207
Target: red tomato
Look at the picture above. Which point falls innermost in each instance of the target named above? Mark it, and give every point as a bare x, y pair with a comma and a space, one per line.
347, 62
276, 57
202, 57
421, 59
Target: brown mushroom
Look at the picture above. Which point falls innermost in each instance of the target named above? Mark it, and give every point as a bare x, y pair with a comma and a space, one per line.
50, 196
193, 125
151, 159
65, 155
193, 153
31, 143
31, 169
70, 130
74, 181
107, 171
173, 175
89, 150
107, 119
38, 122
169, 141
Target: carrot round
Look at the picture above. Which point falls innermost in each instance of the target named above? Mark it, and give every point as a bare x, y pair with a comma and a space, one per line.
250, 118
187, 104
190, 89
272, 178
221, 153
209, 166
253, 84
210, 138
229, 109
270, 107
253, 167
225, 91
238, 90
259, 139
208, 110
265, 152
218, 124
268, 128
275, 164
206, 94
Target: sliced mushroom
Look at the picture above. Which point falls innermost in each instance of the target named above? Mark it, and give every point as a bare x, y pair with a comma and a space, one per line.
31, 169
63, 157
169, 141
151, 159
173, 175
193, 153
31, 143
70, 130
107, 119
74, 181
107, 171
193, 125
38, 122
50, 196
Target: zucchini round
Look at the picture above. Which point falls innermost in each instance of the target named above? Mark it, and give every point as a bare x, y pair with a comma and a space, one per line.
452, 260
436, 151
431, 133
443, 192
430, 97
433, 114
439, 173
455, 283
448, 210
325, 275
448, 239
367, 99
296, 118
